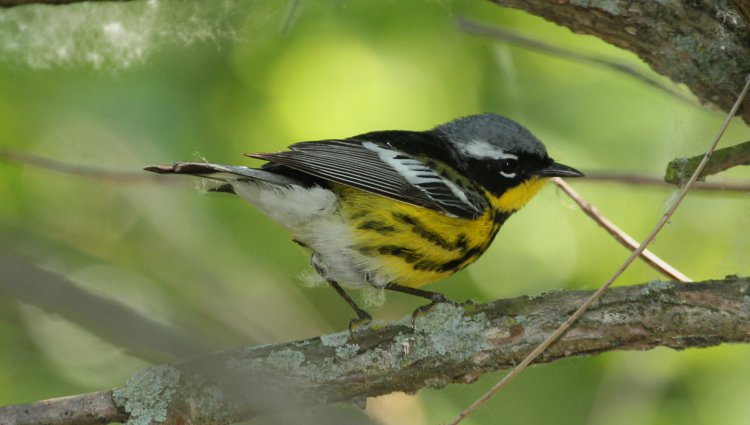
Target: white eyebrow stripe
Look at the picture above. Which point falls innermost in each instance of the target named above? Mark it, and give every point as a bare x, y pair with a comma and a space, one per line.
483, 150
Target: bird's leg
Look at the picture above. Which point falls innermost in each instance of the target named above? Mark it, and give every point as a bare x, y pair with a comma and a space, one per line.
434, 297
363, 317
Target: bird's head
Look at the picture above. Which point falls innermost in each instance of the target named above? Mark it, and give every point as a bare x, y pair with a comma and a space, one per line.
502, 156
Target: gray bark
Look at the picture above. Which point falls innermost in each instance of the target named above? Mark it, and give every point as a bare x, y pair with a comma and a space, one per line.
448, 345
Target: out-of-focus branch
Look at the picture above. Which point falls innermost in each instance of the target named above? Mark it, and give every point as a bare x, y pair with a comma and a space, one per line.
12, 3
24, 282
447, 345
503, 34
679, 170
51, 164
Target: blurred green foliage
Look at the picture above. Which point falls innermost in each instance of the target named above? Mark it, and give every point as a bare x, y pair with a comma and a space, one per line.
171, 82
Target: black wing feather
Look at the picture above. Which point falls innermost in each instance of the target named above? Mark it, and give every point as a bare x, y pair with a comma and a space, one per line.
358, 163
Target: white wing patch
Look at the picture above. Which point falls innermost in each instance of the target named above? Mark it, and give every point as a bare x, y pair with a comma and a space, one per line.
414, 171
460, 194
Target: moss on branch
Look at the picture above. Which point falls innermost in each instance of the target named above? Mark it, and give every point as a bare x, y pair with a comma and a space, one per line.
679, 170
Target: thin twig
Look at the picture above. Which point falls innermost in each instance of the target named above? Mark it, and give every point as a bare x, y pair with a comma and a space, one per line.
620, 236
599, 292
497, 33
13, 3
637, 180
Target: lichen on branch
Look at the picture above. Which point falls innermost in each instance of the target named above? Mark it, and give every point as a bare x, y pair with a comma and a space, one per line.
448, 345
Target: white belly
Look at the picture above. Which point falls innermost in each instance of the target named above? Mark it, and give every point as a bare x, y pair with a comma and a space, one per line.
313, 217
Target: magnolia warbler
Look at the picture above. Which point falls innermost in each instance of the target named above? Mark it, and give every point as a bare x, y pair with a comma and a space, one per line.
394, 209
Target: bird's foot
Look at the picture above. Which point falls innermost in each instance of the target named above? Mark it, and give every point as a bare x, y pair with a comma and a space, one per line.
437, 299
362, 320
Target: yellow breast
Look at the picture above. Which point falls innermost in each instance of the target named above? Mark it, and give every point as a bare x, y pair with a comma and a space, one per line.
413, 246
515, 198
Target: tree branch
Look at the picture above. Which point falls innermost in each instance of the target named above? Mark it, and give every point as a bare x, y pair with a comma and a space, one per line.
139, 177
703, 44
640, 180
84, 409
448, 345
679, 170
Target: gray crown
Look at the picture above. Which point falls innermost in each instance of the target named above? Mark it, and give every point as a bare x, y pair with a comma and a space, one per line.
479, 135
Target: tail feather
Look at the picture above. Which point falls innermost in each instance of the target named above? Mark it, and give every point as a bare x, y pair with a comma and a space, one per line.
198, 169
288, 197
225, 173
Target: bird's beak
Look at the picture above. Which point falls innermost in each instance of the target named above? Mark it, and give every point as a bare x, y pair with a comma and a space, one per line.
558, 170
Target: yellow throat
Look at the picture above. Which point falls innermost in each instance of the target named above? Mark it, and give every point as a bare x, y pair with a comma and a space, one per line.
515, 198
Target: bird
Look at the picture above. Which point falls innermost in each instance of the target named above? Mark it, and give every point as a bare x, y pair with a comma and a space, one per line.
393, 209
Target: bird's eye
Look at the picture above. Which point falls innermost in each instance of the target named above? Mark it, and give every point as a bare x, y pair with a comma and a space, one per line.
509, 167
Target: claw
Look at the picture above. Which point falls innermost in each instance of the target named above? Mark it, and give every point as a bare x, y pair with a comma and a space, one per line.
436, 300
362, 321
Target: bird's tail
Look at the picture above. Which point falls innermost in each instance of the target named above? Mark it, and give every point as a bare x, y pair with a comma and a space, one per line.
227, 174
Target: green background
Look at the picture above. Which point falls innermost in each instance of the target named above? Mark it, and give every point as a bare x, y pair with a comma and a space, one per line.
121, 86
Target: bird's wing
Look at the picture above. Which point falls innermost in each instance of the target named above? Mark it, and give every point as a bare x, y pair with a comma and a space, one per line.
378, 168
